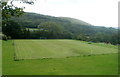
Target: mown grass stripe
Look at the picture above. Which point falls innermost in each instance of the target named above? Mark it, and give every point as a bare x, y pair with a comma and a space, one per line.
35, 49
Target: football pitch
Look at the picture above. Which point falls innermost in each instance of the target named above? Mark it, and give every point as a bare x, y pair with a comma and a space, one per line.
37, 49
59, 57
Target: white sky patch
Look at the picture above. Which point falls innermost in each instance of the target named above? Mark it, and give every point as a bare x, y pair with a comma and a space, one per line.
96, 12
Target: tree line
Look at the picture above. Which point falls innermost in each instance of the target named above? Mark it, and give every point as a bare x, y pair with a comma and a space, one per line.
53, 30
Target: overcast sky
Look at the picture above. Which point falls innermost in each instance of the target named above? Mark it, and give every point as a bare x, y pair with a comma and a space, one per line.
95, 12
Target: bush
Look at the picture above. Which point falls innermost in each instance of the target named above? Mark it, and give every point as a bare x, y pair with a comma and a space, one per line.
4, 37
9, 37
90, 42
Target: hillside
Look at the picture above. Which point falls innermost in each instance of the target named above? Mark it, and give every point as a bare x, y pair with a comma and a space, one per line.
33, 20
52, 27
75, 21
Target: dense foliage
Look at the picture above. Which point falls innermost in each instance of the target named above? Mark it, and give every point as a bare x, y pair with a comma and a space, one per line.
8, 10
49, 27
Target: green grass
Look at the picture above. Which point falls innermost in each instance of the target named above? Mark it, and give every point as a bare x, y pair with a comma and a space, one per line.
0, 57
72, 65
32, 29
36, 49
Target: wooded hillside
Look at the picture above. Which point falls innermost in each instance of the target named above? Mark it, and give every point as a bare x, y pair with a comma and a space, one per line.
58, 28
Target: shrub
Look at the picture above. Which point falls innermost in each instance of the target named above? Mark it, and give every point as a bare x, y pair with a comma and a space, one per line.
9, 37
4, 37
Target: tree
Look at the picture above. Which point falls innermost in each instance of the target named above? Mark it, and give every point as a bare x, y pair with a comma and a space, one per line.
12, 29
8, 11
50, 30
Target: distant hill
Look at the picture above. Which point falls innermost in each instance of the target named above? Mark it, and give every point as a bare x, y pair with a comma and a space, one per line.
33, 20
70, 27
75, 21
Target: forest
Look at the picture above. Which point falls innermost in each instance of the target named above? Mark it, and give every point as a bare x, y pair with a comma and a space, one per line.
38, 26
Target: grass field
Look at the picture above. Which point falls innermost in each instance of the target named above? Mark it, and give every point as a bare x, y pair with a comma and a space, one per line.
0, 57
32, 29
58, 57
36, 49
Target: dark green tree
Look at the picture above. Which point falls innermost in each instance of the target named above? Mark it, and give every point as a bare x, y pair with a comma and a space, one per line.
50, 30
8, 11
12, 29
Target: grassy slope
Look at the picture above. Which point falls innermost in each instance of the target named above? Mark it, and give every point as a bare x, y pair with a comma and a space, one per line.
89, 65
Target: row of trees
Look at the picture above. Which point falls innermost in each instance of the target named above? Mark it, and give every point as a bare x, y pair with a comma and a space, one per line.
51, 30
48, 30
99, 37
